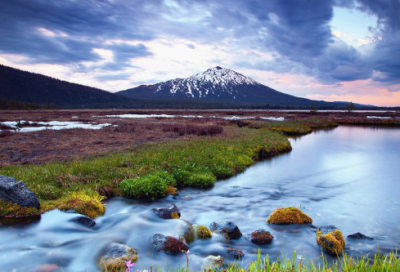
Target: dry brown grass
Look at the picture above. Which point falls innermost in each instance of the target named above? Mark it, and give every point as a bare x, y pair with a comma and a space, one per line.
50, 145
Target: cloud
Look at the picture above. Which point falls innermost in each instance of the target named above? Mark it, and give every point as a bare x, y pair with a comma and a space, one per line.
285, 36
112, 77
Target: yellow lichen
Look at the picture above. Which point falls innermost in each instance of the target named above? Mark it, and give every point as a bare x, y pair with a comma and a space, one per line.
174, 215
203, 232
84, 202
171, 190
288, 215
110, 264
8, 209
332, 242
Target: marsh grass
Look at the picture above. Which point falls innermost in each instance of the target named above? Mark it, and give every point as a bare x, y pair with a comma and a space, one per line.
202, 159
296, 127
378, 263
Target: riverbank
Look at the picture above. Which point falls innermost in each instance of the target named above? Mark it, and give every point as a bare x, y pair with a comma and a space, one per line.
202, 159
299, 263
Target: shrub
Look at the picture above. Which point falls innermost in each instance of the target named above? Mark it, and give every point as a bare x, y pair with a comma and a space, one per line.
150, 186
210, 130
194, 179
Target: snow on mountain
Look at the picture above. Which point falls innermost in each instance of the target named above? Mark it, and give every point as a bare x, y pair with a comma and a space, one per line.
216, 84
213, 80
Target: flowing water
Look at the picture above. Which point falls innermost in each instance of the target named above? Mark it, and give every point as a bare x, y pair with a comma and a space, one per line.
348, 177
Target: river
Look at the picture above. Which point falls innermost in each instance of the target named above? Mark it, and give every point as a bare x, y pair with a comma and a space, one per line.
347, 176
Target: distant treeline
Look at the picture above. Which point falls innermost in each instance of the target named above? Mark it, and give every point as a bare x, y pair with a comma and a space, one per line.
6, 104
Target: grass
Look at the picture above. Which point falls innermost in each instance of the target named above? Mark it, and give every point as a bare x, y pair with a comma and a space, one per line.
378, 263
296, 127
202, 160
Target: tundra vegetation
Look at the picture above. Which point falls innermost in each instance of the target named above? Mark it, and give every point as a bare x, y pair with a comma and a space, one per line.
149, 159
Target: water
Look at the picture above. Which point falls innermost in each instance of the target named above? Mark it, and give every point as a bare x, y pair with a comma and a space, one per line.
347, 177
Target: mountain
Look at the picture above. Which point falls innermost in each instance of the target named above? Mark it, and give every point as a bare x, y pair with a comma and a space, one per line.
29, 87
218, 84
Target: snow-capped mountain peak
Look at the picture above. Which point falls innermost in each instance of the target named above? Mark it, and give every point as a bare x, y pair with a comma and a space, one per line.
219, 75
214, 81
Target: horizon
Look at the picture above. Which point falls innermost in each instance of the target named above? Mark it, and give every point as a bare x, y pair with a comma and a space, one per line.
321, 50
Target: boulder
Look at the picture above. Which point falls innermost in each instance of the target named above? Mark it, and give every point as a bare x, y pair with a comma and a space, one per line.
228, 228
168, 213
260, 237
212, 262
169, 244
289, 215
235, 253
84, 220
115, 257
331, 239
358, 235
16, 192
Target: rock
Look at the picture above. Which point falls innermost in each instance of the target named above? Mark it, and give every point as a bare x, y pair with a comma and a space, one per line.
212, 262
331, 239
169, 244
358, 235
227, 227
84, 220
201, 232
260, 237
168, 213
115, 257
289, 215
235, 253
46, 268
16, 192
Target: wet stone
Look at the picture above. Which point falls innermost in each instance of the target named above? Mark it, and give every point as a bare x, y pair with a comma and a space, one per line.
359, 235
235, 253
260, 237
212, 262
84, 220
15, 191
168, 213
169, 244
115, 257
226, 227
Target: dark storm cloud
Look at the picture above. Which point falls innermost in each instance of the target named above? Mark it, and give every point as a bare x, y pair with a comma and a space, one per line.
297, 31
74, 29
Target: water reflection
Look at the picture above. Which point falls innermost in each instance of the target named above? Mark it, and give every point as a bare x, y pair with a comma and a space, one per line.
347, 177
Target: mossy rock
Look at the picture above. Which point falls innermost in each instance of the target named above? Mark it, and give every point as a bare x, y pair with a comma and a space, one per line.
116, 256
289, 215
213, 262
195, 232
333, 242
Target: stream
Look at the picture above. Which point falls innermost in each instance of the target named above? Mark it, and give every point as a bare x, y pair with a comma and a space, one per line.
348, 177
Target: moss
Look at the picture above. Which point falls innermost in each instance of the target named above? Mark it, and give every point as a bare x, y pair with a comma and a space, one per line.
84, 202
175, 215
289, 215
333, 242
172, 190
8, 209
203, 232
110, 264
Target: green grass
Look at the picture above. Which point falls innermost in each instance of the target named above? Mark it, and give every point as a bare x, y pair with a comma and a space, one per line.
378, 263
194, 162
298, 127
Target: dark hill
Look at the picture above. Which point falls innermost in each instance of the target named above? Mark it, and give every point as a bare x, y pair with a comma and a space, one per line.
224, 86
43, 90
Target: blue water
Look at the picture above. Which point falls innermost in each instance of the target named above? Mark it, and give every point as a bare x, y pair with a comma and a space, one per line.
348, 177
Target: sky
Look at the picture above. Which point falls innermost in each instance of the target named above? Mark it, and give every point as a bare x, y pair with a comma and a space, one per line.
332, 50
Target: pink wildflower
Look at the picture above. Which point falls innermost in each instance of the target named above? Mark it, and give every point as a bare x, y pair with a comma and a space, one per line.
128, 266
190, 158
